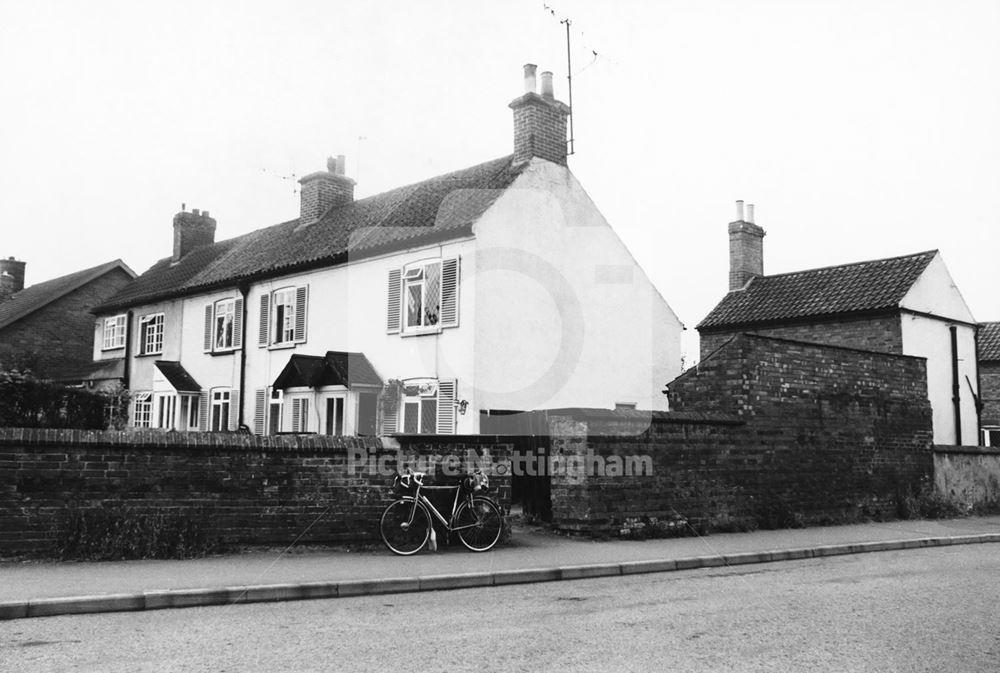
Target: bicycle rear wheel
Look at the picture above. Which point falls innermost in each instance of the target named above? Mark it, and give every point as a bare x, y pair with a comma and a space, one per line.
485, 524
399, 534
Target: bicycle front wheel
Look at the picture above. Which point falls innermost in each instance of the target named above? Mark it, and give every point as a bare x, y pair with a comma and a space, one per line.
479, 525
400, 534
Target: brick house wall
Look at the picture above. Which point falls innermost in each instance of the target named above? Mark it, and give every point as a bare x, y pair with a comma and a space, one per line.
767, 432
879, 333
60, 335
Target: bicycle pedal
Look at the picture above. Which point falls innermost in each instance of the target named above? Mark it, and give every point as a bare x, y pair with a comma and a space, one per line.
432, 544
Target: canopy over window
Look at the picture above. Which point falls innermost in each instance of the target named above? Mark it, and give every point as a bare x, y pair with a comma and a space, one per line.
336, 368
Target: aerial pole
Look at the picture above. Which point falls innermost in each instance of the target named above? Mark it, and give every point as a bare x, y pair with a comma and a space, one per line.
569, 82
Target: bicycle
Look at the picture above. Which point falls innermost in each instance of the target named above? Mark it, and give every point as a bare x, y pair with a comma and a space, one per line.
406, 524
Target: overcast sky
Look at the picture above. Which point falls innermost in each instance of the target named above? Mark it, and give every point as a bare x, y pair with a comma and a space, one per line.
859, 130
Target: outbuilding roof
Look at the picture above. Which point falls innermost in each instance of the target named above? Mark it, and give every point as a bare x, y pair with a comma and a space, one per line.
39, 295
861, 287
441, 208
989, 342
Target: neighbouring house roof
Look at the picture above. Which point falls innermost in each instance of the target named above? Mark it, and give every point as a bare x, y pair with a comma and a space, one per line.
441, 208
336, 368
39, 295
177, 376
875, 285
989, 342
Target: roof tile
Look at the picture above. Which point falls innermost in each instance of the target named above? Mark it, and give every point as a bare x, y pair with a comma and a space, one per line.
989, 341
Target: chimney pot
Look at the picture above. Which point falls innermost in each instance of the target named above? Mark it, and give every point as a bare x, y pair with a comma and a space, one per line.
331, 165
204, 213
341, 165
195, 211
547, 91
739, 210
530, 84
750, 213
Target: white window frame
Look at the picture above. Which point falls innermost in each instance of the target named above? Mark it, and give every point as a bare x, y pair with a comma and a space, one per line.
280, 329
415, 278
142, 409
275, 399
325, 420
303, 403
114, 332
223, 315
165, 411
191, 416
428, 396
151, 334
220, 399
990, 435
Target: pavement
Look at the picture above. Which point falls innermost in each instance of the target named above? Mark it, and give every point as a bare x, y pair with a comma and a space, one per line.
39, 589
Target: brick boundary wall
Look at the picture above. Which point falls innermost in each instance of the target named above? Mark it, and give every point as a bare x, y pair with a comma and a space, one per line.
791, 434
252, 490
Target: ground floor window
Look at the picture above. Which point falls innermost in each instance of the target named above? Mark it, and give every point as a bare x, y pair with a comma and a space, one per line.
221, 400
142, 410
274, 411
300, 414
991, 435
334, 414
420, 408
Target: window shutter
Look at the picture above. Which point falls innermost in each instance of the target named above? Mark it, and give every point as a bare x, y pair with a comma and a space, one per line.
203, 411
389, 421
234, 410
259, 410
395, 301
208, 328
265, 306
449, 292
296, 415
238, 324
301, 306
140, 337
446, 407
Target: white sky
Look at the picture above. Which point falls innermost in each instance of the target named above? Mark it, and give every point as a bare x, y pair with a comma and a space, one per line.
859, 129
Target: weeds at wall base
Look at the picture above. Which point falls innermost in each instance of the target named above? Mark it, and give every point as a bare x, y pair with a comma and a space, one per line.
126, 534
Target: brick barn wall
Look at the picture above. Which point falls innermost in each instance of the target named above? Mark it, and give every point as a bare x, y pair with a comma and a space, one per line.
60, 335
989, 377
882, 334
251, 490
789, 434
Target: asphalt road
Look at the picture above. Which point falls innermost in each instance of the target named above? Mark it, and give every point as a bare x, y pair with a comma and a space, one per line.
920, 610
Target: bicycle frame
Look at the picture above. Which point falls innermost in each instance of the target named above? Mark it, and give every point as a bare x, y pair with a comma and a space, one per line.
447, 523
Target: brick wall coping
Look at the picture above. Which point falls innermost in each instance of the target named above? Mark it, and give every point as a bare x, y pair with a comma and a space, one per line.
170, 440
639, 415
982, 450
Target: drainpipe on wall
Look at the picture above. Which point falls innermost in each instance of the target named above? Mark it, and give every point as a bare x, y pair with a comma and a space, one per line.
956, 389
244, 289
979, 390
126, 368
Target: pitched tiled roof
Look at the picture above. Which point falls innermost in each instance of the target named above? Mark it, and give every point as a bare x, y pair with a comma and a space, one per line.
989, 341
30, 299
439, 208
833, 290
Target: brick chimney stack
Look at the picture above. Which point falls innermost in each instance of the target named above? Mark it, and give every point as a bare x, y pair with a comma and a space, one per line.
324, 190
746, 249
192, 230
11, 277
539, 121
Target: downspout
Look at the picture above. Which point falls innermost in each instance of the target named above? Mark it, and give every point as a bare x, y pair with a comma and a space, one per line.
244, 289
955, 387
127, 368
979, 389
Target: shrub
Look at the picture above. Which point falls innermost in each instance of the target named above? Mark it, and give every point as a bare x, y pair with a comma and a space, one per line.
29, 402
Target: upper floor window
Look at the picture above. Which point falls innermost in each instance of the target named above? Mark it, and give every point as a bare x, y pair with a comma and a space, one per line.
283, 316
114, 332
423, 296
224, 325
151, 334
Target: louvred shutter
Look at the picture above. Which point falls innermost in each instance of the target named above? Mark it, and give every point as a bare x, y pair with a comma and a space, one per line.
238, 324
259, 410
203, 411
449, 292
208, 328
265, 305
446, 407
234, 410
394, 303
301, 307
